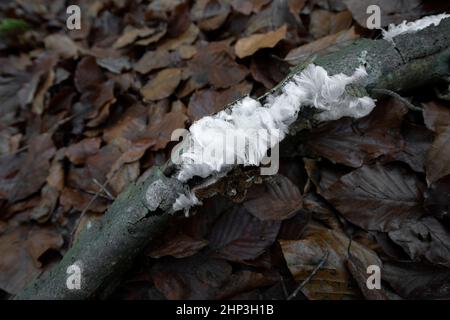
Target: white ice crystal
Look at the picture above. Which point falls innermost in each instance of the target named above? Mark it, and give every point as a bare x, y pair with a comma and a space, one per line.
211, 144
185, 201
411, 27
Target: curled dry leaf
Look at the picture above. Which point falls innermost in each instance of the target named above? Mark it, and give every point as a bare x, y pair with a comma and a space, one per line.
247, 46
333, 280
163, 85
377, 197
276, 199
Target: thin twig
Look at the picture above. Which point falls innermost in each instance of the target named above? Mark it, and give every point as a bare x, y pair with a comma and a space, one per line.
91, 201
283, 286
313, 273
397, 96
104, 189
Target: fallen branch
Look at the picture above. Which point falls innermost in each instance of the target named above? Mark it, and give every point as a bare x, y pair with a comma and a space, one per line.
105, 249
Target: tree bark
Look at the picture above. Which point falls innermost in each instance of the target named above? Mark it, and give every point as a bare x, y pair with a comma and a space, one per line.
105, 250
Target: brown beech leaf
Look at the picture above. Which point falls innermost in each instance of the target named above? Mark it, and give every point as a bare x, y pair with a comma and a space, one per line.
276, 199
152, 60
437, 198
180, 245
128, 127
87, 74
21, 248
438, 157
244, 281
245, 47
210, 14
209, 101
355, 143
324, 22
78, 152
214, 64
31, 171
163, 85
248, 6
417, 281
417, 140
332, 281
161, 131
377, 197
186, 38
62, 44
196, 277
436, 115
268, 70
425, 239
238, 236
131, 34
78, 200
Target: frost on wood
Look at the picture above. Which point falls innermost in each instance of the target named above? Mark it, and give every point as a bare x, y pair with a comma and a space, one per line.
410, 27
185, 201
242, 134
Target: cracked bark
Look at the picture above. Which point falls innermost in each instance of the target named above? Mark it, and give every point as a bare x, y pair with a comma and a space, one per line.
108, 247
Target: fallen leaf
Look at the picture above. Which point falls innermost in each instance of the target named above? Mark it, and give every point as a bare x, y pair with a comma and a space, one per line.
333, 280
214, 64
437, 198
32, 169
21, 249
417, 281
354, 143
87, 74
179, 246
163, 85
417, 142
324, 22
436, 116
152, 60
64, 46
238, 236
79, 152
377, 197
437, 163
196, 277
209, 101
276, 199
245, 47
425, 239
